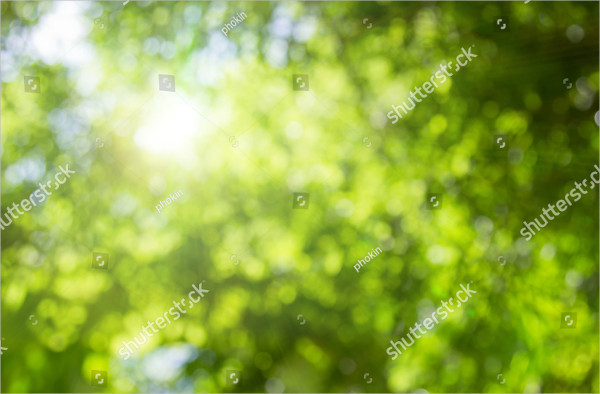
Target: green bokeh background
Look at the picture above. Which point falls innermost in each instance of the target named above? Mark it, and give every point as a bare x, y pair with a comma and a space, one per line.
131, 145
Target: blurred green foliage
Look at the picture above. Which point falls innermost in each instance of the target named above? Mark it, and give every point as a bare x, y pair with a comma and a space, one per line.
101, 111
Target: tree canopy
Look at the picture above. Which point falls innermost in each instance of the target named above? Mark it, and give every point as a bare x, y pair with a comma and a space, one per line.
276, 132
